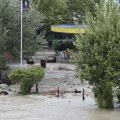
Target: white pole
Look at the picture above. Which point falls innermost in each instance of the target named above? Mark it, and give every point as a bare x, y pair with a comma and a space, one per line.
21, 59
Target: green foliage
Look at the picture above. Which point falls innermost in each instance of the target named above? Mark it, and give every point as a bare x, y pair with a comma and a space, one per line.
10, 28
104, 97
63, 11
2, 66
3, 33
99, 57
60, 45
78, 9
52, 9
56, 45
27, 77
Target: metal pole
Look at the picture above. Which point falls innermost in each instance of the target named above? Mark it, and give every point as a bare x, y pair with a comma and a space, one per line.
58, 92
83, 95
21, 57
37, 87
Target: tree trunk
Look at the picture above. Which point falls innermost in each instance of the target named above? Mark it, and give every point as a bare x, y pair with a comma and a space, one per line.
104, 98
108, 100
0, 75
36, 87
25, 89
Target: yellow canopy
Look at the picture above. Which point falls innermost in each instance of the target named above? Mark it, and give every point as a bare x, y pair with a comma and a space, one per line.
64, 28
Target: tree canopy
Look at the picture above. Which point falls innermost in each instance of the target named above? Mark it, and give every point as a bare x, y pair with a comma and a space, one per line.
99, 56
10, 28
63, 11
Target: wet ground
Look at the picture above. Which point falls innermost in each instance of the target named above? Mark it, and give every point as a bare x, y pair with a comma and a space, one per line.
69, 106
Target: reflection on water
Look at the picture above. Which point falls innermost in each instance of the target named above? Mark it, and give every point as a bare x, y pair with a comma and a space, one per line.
36, 107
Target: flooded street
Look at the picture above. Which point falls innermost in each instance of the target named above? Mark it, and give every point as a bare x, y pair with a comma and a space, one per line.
35, 107
69, 106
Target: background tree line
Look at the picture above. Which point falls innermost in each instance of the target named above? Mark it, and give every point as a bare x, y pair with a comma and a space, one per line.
63, 11
41, 15
10, 30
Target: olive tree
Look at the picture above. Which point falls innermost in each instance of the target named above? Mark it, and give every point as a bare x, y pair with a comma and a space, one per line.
99, 56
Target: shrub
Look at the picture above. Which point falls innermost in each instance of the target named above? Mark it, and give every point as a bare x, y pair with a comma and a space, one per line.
27, 77
60, 45
99, 56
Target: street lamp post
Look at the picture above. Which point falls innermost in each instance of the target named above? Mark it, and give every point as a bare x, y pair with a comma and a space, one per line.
25, 7
21, 57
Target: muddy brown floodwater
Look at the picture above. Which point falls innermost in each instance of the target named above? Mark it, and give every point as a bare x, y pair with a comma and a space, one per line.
36, 107
69, 106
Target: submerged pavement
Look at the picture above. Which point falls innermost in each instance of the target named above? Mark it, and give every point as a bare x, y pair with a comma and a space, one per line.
36, 107
68, 106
